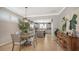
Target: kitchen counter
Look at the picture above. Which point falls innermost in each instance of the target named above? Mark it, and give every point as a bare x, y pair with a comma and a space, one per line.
40, 34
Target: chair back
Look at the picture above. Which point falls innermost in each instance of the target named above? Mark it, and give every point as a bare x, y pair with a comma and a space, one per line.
15, 38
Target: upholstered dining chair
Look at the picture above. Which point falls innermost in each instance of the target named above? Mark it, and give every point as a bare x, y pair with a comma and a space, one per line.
34, 41
16, 40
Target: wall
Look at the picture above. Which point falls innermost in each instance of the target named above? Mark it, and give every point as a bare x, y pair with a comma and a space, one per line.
8, 25
68, 13
55, 21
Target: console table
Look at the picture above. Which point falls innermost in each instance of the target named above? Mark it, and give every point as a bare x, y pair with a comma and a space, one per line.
68, 43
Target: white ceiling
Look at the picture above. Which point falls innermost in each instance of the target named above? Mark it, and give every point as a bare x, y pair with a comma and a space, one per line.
36, 11
42, 21
37, 14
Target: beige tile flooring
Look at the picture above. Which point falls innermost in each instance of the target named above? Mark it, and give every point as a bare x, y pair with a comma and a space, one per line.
43, 44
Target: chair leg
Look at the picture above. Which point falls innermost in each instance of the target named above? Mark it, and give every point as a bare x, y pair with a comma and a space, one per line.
33, 45
36, 41
13, 47
20, 47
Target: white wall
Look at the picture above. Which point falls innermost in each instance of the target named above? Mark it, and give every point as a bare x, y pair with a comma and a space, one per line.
8, 25
68, 13
6, 15
54, 24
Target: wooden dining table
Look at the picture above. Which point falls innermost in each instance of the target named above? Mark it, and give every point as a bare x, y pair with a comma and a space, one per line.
26, 36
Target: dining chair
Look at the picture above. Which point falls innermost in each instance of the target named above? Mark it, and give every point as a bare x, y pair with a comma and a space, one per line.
34, 41
32, 38
16, 40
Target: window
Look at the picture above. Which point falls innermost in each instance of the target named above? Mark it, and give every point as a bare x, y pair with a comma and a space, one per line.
43, 26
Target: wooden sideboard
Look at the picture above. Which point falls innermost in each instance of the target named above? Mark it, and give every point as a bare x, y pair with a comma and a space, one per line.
68, 43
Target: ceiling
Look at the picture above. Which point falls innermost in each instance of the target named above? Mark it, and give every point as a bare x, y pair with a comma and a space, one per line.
37, 14
36, 11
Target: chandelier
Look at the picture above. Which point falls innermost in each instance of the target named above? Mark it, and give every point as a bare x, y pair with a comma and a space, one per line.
25, 18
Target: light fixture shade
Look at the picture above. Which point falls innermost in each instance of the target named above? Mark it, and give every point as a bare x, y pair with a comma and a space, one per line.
25, 18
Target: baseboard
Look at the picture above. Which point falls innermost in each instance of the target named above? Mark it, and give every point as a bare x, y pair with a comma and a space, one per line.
1, 44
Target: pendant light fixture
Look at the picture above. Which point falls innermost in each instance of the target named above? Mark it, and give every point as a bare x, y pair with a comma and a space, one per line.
25, 18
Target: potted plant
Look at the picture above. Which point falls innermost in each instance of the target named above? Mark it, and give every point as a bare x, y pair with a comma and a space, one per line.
65, 24
73, 23
23, 26
56, 31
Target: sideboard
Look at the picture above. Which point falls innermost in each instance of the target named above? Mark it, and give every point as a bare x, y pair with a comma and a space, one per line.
68, 43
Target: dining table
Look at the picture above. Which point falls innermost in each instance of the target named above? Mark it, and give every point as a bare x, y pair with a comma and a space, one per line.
26, 36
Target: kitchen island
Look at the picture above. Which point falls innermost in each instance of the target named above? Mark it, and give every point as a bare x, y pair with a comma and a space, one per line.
40, 33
